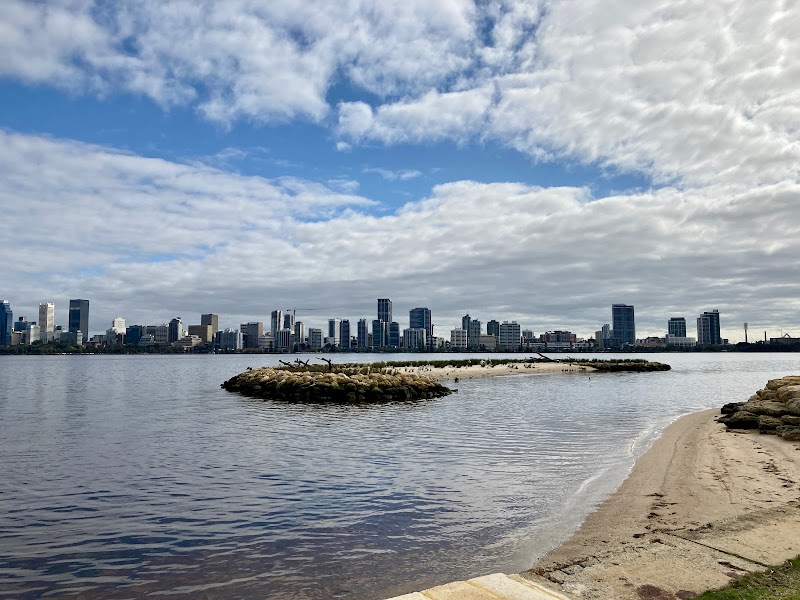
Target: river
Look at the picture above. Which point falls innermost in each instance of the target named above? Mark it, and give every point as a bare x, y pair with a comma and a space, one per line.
133, 476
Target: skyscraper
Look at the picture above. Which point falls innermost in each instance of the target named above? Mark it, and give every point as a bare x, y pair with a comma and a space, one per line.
333, 331
175, 330
288, 321
385, 310
363, 335
79, 317
47, 317
677, 326
276, 322
420, 318
210, 319
493, 328
393, 333
344, 334
474, 333
624, 325
379, 333
708, 329
6, 323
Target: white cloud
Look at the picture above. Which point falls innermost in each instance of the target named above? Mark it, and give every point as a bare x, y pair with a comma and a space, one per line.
399, 175
241, 246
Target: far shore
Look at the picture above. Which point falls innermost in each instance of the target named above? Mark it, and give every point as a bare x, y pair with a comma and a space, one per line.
451, 373
701, 507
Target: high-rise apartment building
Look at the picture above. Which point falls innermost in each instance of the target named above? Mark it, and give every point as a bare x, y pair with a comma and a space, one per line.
79, 317
676, 326
708, 329
385, 310
493, 328
299, 332
458, 339
624, 325
380, 334
510, 336
118, 325
420, 318
394, 335
474, 333
6, 323
212, 320
414, 338
344, 334
363, 334
47, 317
314, 338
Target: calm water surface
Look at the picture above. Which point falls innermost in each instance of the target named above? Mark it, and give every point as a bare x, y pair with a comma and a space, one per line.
133, 476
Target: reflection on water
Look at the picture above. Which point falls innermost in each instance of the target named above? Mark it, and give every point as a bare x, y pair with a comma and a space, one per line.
129, 476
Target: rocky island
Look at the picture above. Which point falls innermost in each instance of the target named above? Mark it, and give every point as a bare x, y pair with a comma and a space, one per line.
395, 381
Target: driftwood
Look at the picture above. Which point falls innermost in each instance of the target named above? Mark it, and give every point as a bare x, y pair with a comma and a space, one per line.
327, 360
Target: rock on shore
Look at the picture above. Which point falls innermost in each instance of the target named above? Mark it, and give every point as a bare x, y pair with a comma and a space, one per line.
345, 385
774, 409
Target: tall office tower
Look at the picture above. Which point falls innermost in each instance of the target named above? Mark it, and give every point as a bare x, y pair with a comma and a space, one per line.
677, 326
210, 319
344, 334
252, 331
315, 338
175, 330
474, 333
47, 317
379, 333
606, 330
708, 329
333, 330
624, 324
276, 322
6, 323
394, 335
384, 310
299, 332
288, 321
118, 325
79, 317
465, 321
362, 334
420, 318
493, 328
134, 333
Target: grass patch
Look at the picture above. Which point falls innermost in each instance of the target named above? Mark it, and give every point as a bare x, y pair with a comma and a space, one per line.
777, 582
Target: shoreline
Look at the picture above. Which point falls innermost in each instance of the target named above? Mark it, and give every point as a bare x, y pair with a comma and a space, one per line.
699, 508
451, 373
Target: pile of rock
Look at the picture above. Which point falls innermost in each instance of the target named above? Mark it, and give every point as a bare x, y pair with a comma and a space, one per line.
331, 386
774, 409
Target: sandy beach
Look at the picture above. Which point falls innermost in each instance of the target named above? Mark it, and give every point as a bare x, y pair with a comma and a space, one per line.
450, 373
701, 507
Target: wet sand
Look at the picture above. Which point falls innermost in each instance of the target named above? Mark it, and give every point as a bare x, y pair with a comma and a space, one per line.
703, 506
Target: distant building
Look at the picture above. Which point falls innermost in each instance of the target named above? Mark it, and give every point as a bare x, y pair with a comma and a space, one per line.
299, 332
47, 317
363, 334
134, 333
79, 317
414, 338
175, 330
680, 341
393, 330
493, 328
288, 321
708, 329
385, 310
676, 326
466, 320
276, 322
474, 334
230, 339
187, 342
212, 321
553, 338
380, 334
266, 342
251, 332
204, 332
488, 341
6, 323
284, 339
458, 339
118, 325
510, 336
624, 323
334, 331
344, 334
314, 338
420, 318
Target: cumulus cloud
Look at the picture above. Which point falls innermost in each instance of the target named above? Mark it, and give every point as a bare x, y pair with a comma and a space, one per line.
149, 239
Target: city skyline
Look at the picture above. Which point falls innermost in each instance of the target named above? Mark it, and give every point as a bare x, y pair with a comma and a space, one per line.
523, 160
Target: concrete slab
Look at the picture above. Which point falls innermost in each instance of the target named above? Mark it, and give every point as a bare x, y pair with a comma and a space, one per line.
496, 586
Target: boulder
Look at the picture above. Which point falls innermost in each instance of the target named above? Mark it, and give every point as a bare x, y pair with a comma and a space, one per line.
793, 407
791, 420
767, 424
741, 420
731, 407
789, 433
766, 394
789, 392
766, 407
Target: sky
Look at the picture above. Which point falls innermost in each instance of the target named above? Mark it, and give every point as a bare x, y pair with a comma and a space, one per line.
533, 161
